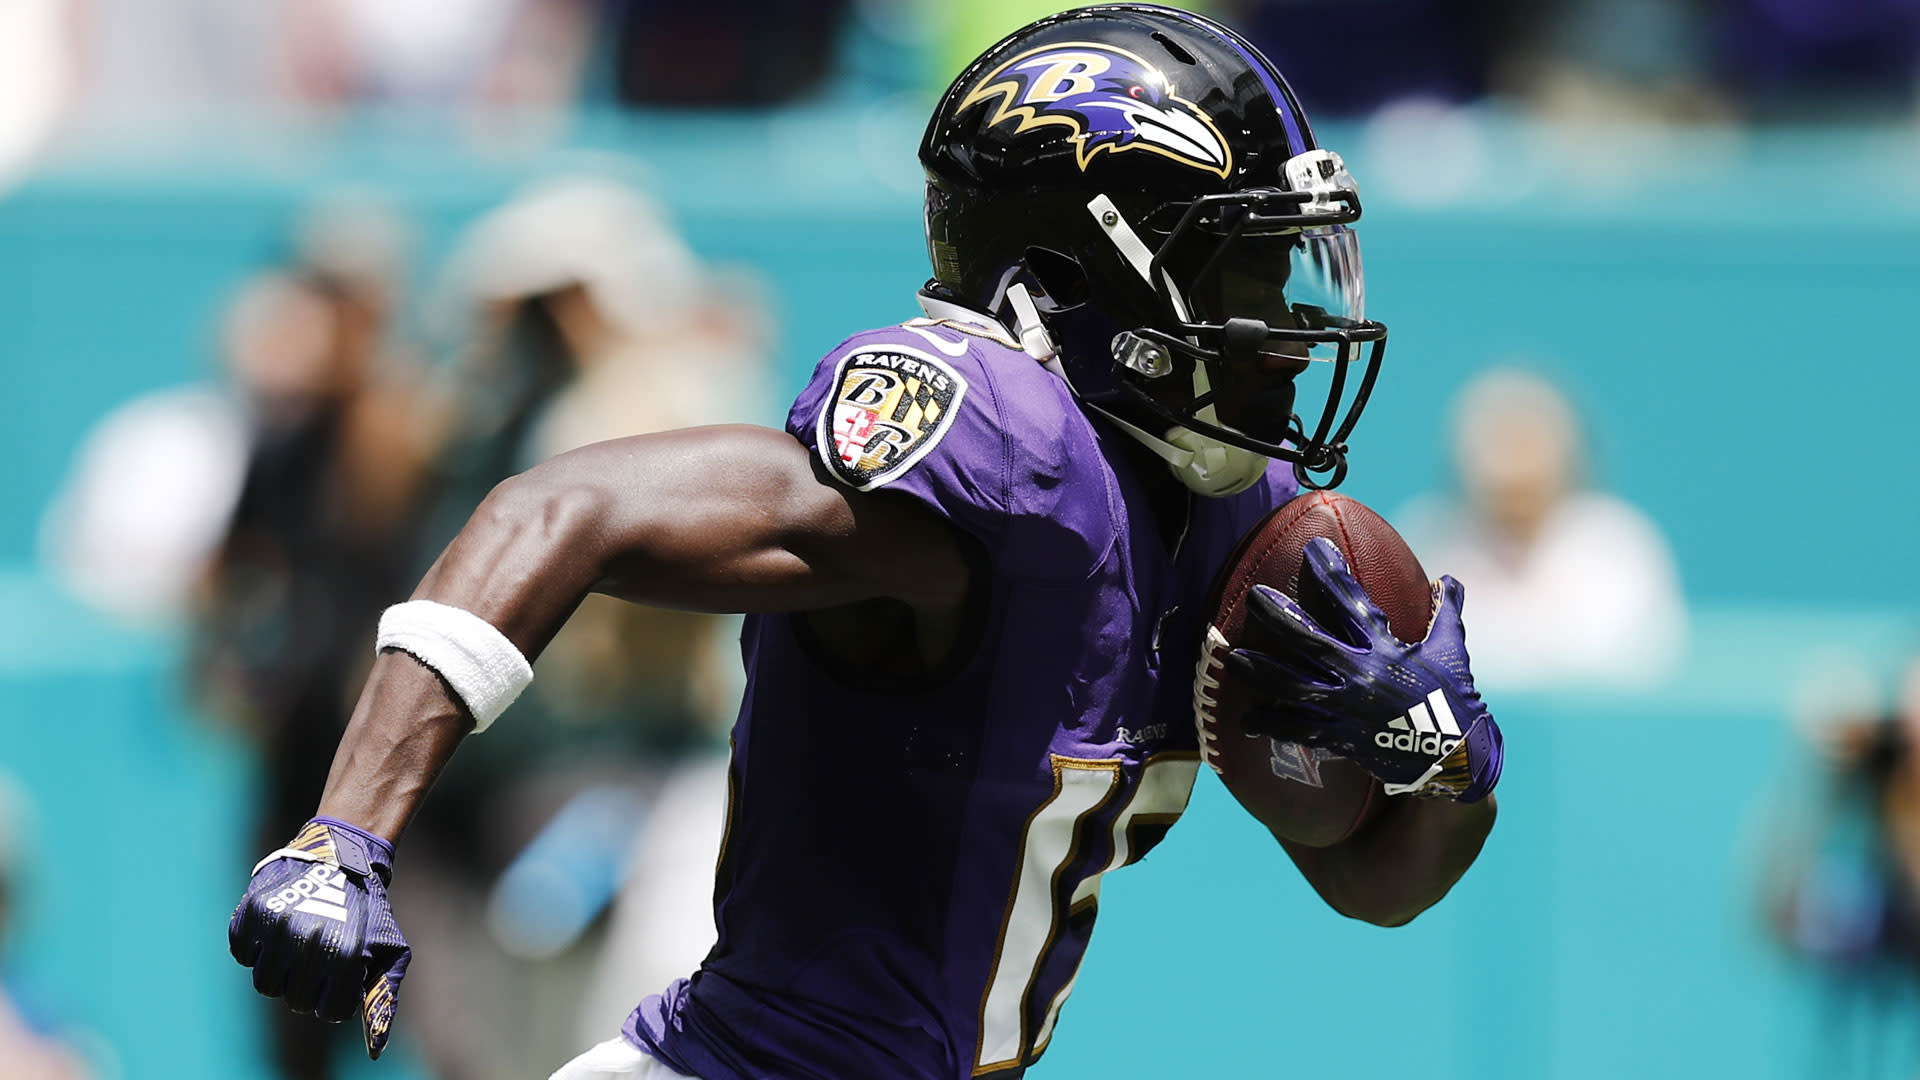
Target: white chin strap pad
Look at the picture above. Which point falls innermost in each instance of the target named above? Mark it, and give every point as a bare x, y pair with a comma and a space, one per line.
1034, 339
1214, 468
1206, 467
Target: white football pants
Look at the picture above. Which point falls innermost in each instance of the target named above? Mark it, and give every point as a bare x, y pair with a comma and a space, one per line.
617, 1059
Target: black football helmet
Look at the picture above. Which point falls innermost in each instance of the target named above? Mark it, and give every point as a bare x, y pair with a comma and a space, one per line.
1134, 191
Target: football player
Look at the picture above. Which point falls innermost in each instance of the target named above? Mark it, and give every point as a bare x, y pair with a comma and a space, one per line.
976, 560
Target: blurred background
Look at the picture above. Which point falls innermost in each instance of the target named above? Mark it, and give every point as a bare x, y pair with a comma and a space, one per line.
286, 286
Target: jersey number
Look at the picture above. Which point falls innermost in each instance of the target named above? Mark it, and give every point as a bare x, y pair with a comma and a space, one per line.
1044, 891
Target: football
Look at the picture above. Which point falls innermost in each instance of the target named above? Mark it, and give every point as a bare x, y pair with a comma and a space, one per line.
1303, 795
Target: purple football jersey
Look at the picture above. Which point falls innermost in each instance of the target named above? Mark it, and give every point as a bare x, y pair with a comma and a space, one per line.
910, 875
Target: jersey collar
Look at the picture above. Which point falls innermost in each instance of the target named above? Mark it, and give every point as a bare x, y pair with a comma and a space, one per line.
947, 311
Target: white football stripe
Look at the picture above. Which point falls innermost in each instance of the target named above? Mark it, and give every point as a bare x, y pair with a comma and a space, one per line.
1422, 719
1080, 789
1163, 788
1438, 702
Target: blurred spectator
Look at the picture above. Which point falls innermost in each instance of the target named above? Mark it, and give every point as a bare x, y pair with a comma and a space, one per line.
1842, 875
149, 499
1612, 61
1814, 59
1565, 585
321, 534
963, 31
452, 52
137, 65
36, 72
590, 319
662, 925
139, 62
723, 52
146, 500
1601, 60
1388, 49
27, 1050
142, 62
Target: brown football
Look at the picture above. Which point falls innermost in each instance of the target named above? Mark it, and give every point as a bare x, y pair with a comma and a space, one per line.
1302, 795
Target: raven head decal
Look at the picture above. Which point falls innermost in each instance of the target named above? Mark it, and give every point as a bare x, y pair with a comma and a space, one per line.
1111, 100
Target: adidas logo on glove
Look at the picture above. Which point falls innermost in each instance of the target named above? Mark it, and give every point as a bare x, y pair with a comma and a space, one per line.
321, 891
1428, 729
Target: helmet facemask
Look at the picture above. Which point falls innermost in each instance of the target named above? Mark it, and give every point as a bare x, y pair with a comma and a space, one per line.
1253, 289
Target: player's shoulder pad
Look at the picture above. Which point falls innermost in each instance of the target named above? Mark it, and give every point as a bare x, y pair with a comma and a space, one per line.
965, 420
891, 398
885, 399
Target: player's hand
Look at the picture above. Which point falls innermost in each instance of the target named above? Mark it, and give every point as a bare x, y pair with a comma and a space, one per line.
1407, 713
316, 928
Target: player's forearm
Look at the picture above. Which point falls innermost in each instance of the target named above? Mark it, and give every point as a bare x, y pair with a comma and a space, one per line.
1402, 862
523, 562
402, 733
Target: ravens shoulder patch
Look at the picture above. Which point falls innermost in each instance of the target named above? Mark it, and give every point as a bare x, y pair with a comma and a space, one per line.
889, 406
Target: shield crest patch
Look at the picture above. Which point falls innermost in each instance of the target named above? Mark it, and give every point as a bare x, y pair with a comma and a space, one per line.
890, 405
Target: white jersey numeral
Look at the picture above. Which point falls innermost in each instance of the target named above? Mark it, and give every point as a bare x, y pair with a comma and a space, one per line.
1055, 834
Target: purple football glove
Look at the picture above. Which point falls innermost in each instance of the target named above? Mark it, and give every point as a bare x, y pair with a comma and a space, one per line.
1408, 714
316, 928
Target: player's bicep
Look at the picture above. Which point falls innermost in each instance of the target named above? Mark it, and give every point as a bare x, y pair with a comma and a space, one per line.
743, 519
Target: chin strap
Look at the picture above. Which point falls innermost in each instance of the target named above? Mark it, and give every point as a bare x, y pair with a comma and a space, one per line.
1034, 339
1203, 465
1200, 463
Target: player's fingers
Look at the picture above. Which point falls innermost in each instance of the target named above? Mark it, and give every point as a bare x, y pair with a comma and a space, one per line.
243, 934
383, 995
377, 1008
1276, 624
338, 999
271, 964
1279, 725
303, 987
315, 965
1280, 677
1449, 598
1309, 713
1327, 569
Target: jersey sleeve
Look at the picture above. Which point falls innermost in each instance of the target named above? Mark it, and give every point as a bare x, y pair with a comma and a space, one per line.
1276, 488
1243, 512
955, 425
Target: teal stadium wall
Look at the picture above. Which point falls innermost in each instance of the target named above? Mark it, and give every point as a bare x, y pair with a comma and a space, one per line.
1736, 316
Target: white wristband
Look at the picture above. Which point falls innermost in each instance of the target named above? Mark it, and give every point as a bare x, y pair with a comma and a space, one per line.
469, 652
